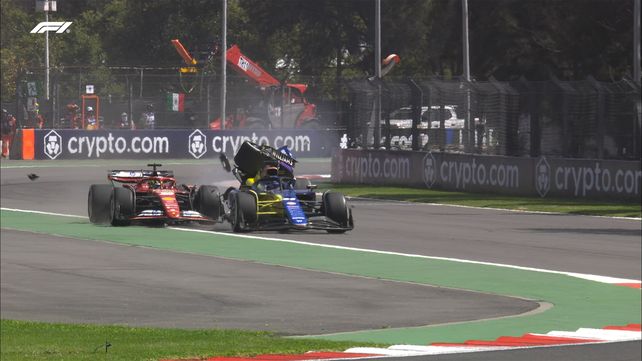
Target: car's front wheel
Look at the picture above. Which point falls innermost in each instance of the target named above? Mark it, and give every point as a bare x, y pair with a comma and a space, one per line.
243, 211
122, 207
336, 209
98, 206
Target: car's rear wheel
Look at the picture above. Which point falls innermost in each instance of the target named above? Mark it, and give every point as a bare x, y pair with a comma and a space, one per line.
242, 211
122, 207
98, 206
336, 208
208, 201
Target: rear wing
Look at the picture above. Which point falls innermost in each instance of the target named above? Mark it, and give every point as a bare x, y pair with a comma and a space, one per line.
251, 158
133, 176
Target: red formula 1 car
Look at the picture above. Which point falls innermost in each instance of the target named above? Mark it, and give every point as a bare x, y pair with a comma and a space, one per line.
151, 196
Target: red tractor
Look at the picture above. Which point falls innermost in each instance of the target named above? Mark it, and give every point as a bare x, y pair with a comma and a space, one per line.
282, 105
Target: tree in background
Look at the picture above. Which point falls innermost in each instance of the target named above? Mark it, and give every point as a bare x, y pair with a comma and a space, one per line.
332, 39
540, 38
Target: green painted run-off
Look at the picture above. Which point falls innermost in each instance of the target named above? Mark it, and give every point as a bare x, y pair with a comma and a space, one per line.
576, 302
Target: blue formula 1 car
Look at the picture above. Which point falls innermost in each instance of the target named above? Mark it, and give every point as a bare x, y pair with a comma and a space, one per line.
269, 197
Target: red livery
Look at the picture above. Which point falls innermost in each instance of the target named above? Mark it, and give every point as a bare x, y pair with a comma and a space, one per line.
151, 195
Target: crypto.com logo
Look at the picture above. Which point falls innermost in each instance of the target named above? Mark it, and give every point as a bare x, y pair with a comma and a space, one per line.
58, 26
430, 170
542, 177
53, 144
197, 144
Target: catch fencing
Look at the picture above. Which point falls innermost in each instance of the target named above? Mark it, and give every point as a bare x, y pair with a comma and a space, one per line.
572, 119
132, 90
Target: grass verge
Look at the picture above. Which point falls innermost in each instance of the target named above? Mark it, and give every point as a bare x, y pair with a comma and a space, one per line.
25, 340
560, 205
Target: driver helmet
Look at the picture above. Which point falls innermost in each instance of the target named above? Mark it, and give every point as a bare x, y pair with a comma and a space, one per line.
154, 183
269, 170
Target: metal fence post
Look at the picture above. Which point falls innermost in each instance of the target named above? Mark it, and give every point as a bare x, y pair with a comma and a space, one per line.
140, 93
468, 121
54, 103
18, 112
130, 105
417, 102
567, 91
377, 117
528, 98
600, 116
208, 103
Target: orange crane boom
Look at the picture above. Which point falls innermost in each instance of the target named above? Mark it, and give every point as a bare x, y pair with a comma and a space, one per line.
246, 66
187, 58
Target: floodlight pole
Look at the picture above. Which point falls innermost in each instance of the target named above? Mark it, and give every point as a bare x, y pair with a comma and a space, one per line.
223, 64
377, 125
466, 63
47, 54
636, 71
464, 14
636, 41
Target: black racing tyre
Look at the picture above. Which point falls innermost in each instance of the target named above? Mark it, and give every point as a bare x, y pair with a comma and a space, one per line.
242, 211
335, 208
98, 206
208, 201
122, 207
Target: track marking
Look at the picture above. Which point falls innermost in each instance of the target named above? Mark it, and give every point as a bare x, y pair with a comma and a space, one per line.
374, 201
590, 277
42, 212
583, 336
529, 340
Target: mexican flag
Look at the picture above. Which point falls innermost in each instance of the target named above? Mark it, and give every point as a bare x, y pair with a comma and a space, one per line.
175, 101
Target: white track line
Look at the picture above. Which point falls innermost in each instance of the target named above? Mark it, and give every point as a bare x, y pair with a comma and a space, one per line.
591, 277
377, 200
590, 334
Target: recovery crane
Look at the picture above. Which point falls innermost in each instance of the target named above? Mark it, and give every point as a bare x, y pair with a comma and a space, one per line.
283, 105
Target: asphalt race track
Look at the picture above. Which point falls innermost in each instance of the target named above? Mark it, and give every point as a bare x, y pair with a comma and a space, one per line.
52, 278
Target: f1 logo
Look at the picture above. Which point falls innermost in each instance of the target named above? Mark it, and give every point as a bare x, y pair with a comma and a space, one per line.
58, 26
